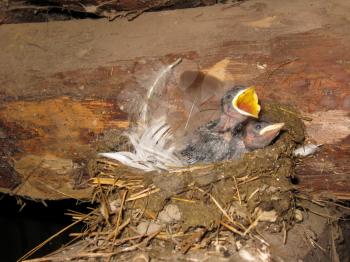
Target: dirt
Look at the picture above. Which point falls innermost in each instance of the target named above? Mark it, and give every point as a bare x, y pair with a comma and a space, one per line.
253, 194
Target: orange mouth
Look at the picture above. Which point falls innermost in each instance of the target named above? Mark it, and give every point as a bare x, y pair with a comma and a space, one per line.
246, 102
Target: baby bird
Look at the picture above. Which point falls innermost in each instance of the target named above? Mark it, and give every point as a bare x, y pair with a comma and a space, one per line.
154, 148
237, 105
212, 146
213, 141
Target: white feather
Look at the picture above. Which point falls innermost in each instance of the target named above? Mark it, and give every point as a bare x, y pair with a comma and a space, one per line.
153, 149
156, 86
152, 141
306, 150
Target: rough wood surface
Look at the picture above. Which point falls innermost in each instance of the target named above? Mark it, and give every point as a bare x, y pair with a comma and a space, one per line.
16, 11
64, 85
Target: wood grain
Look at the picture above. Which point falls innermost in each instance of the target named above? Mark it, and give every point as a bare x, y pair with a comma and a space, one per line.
65, 84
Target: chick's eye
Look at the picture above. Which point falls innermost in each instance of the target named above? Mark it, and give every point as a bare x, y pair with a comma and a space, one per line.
258, 126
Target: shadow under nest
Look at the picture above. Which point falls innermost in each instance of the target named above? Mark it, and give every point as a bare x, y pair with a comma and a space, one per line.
196, 207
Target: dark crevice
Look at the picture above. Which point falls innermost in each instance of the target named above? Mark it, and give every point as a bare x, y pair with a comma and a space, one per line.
23, 229
59, 10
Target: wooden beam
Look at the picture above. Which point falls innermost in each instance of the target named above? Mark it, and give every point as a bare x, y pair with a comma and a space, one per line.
26, 11
66, 85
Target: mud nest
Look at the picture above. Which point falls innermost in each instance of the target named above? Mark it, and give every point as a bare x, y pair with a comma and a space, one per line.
203, 207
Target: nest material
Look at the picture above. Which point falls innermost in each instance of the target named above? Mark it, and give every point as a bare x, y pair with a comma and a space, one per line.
191, 208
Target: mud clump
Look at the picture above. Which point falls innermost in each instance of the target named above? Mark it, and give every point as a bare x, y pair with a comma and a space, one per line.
236, 197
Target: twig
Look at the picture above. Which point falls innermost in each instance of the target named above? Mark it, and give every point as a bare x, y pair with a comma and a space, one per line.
195, 237
145, 242
234, 230
295, 114
117, 230
284, 233
252, 194
191, 168
31, 252
58, 191
252, 225
238, 194
217, 204
138, 196
249, 180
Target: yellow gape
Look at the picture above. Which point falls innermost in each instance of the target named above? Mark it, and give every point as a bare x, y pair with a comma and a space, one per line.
246, 102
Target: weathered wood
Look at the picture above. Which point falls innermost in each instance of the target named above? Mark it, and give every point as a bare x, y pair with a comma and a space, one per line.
32, 11
130, 5
57, 138
63, 85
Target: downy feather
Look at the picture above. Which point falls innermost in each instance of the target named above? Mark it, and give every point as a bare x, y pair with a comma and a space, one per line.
153, 149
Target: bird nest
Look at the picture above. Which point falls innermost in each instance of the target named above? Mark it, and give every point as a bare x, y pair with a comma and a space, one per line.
208, 207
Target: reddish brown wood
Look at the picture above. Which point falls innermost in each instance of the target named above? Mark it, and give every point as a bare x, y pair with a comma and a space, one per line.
64, 84
326, 174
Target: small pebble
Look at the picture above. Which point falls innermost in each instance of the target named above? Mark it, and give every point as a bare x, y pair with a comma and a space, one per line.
170, 214
148, 227
298, 215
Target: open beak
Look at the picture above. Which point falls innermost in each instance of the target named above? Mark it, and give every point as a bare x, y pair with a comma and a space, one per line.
246, 102
271, 129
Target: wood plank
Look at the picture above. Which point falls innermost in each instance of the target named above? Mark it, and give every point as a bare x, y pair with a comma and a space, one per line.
66, 84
